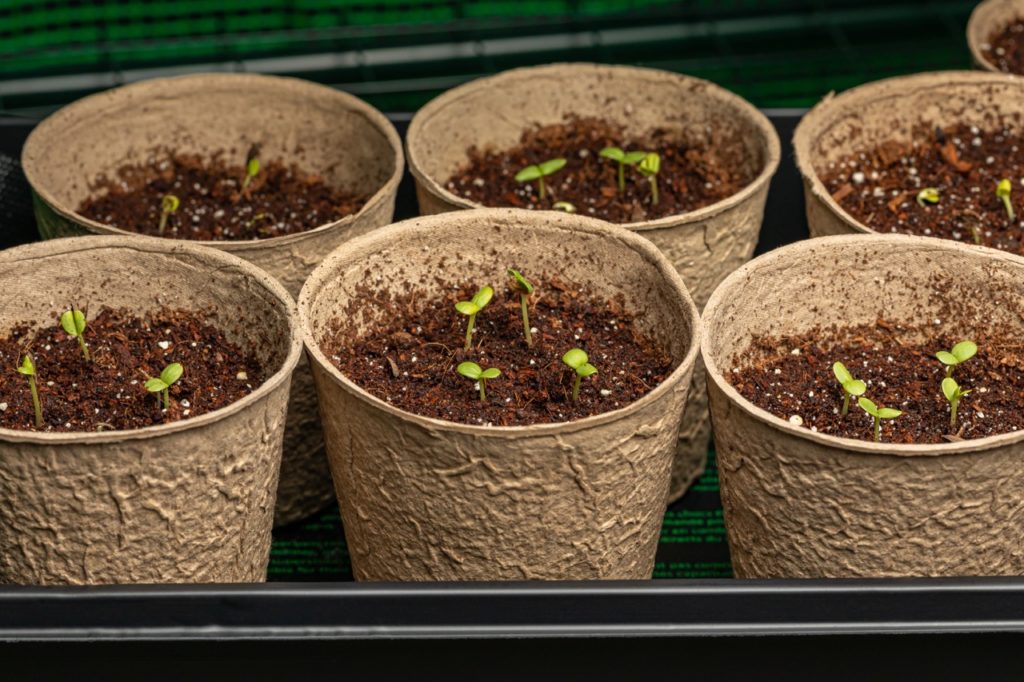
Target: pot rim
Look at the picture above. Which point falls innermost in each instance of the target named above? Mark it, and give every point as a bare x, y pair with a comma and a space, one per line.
773, 152
730, 287
571, 223
804, 134
988, 9
212, 257
255, 82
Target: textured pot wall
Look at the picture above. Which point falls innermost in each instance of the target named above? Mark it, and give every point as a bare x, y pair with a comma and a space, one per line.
190, 501
986, 19
424, 499
704, 245
349, 143
864, 117
800, 504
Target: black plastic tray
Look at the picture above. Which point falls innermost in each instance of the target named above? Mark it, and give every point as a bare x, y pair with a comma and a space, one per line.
509, 612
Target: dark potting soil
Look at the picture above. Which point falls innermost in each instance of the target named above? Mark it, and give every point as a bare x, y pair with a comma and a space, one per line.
792, 378
108, 393
879, 187
279, 200
691, 175
1005, 48
409, 360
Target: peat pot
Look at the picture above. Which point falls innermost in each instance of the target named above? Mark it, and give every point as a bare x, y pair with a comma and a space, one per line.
426, 499
187, 501
803, 504
986, 19
703, 245
861, 118
323, 130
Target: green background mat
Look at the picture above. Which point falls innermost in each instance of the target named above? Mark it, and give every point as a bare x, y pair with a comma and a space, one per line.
398, 54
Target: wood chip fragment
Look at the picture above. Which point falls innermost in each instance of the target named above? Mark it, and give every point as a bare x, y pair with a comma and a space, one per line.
842, 192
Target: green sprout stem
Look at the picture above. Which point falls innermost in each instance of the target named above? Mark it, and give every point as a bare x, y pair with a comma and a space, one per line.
469, 331
73, 322
578, 361
471, 307
624, 159
36, 405
252, 165
523, 286
879, 413
526, 319
161, 385
953, 394
649, 168
28, 368
168, 205
475, 372
851, 386
1003, 192
538, 172
957, 355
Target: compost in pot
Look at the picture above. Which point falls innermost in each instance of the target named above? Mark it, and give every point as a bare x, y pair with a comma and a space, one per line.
1005, 48
962, 183
590, 166
187, 197
538, 351
941, 389
118, 371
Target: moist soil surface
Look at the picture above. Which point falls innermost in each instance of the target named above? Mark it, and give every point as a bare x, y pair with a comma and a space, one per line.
792, 377
279, 200
108, 393
1005, 48
691, 176
879, 187
410, 359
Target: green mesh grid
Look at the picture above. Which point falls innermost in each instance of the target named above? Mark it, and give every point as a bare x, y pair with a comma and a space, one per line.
399, 53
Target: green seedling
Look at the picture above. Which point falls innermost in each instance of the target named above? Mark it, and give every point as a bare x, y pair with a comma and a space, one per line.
929, 194
252, 165
649, 168
471, 308
539, 172
473, 371
28, 368
960, 353
851, 386
523, 286
162, 384
73, 322
168, 207
624, 159
579, 362
564, 206
879, 413
953, 394
1003, 192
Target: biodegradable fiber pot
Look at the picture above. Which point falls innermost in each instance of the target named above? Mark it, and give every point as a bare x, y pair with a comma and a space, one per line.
704, 245
988, 18
800, 504
188, 501
864, 117
425, 499
323, 130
